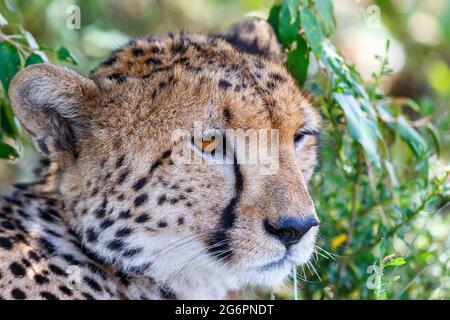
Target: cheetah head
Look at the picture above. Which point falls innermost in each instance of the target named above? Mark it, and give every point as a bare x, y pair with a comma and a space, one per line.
120, 138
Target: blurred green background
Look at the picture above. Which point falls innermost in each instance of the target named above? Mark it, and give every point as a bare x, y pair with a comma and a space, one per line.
419, 56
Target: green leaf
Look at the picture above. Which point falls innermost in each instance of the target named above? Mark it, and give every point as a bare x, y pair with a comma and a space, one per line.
342, 74
33, 59
288, 22
298, 60
273, 18
304, 3
361, 127
391, 172
312, 30
64, 54
45, 48
326, 14
11, 5
7, 124
7, 152
292, 6
368, 108
436, 137
383, 245
3, 21
10, 63
317, 90
411, 136
395, 262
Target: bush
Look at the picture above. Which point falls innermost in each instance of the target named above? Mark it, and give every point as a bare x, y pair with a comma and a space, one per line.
379, 180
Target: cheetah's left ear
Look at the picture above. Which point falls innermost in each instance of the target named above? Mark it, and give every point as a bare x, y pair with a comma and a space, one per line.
51, 103
254, 36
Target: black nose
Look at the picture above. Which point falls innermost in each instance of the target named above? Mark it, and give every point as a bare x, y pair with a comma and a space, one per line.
290, 230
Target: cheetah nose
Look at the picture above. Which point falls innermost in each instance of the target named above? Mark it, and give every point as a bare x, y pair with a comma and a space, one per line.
290, 230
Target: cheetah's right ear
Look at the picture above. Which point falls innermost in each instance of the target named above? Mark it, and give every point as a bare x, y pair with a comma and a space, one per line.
254, 36
52, 104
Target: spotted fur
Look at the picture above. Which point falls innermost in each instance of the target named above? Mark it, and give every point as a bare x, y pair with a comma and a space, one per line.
116, 204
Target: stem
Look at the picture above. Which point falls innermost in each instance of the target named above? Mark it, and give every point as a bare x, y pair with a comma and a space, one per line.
355, 193
337, 137
16, 44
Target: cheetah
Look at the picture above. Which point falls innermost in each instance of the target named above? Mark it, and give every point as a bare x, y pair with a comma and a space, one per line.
116, 212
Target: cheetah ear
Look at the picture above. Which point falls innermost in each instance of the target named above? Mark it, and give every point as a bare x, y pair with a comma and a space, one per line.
50, 103
254, 36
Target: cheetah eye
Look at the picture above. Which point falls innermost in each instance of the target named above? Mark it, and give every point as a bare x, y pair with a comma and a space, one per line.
212, 146
205, 144
300, 135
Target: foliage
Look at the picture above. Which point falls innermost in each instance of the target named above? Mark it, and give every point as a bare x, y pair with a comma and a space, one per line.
18, 49
379, 174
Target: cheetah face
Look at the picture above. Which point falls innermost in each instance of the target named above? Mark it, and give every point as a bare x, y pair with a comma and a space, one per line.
118, 138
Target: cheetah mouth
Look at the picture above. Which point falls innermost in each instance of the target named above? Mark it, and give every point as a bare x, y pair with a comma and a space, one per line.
277, 264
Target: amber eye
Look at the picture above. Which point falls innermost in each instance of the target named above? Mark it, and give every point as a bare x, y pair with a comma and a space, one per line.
207, 144
211, 145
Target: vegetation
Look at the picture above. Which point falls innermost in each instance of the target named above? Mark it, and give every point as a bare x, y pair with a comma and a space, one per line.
382, 187
379, 177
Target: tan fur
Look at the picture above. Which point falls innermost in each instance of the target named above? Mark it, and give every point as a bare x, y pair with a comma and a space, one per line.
122, 120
